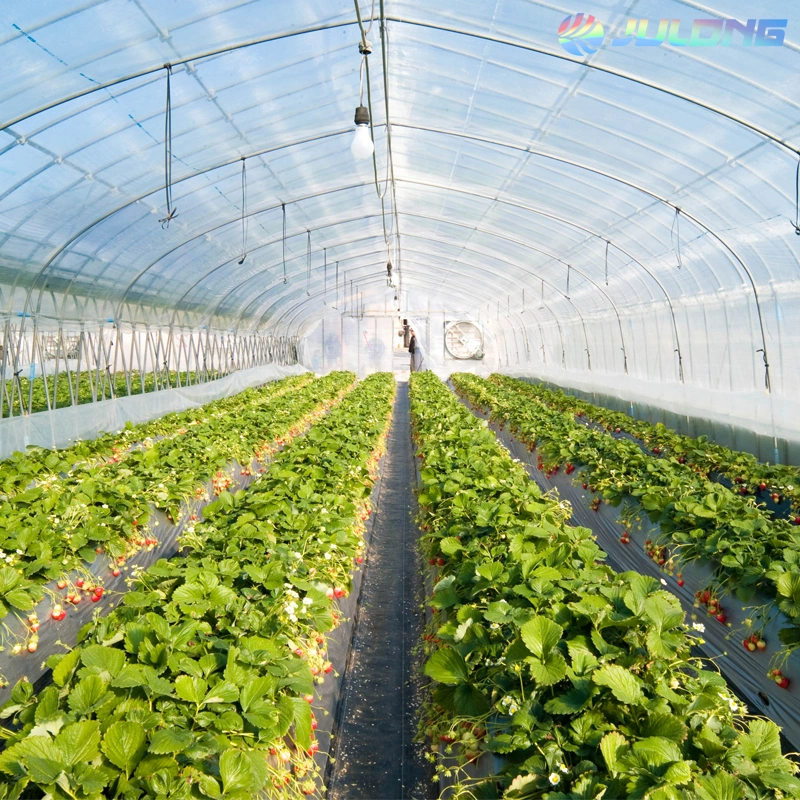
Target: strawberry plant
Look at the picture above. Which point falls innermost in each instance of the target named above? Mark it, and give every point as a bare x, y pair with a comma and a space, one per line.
740, 470
747, 549
580, 679
60, 523
200, 683
20, 470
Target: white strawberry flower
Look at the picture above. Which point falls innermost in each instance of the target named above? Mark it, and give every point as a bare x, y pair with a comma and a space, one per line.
555, 778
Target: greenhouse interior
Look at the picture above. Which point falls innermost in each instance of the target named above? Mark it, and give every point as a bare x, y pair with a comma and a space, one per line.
400, 400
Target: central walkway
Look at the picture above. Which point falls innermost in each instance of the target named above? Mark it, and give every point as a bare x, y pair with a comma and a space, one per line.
376, 758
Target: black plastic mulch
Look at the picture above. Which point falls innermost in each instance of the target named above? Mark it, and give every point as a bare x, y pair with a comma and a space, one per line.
374, 755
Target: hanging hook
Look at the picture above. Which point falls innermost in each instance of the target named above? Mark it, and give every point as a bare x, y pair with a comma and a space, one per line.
675, 235
244, 213
797, 198
680, 364
767, 381
283, 242
171, 212
308, 264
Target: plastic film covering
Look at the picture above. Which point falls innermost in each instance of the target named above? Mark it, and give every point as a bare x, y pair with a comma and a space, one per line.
622, 214
62, 427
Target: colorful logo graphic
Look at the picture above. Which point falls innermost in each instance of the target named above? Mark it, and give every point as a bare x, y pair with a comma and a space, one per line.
581, 34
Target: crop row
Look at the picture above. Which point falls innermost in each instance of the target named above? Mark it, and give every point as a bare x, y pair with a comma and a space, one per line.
18, 471
83, 387
580, 678
200, 684
61, 523
751, 477
700, 520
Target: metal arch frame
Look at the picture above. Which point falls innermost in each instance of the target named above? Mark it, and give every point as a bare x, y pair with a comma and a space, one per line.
457, 31
262, 246
207, 231
437, 220
478, 139
512, 44
417, 24
297, 306
582, 228
598, 68
427, 184
637, 187
438, 186
515, 241
221, 225
374, 252
77, 236
478, 267
208, 54
369, 254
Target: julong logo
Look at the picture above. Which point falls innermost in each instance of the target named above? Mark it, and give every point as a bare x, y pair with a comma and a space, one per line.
582, 34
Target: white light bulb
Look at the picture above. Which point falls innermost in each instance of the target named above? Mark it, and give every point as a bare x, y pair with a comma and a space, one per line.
362, 147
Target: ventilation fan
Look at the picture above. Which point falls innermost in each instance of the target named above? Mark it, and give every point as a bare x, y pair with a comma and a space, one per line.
463, 340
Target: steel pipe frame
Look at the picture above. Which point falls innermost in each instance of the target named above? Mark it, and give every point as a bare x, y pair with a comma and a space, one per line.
375, 252
295, 308
764, 133
438, 221
449, 29
639, 188
479, 268
477, 139
481, 140
531, 209
369, 254
487, 197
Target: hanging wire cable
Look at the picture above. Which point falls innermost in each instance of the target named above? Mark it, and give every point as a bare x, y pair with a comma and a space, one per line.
365, 48
336, 304
607, 243
675, 235
244, 212
569, 270
283, 240
325, 275
171, 212
308, 263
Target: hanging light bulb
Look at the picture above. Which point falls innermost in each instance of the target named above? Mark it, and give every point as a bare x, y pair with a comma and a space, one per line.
362, 146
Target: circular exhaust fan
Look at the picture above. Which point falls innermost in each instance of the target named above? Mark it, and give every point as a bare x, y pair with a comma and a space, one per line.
464, 340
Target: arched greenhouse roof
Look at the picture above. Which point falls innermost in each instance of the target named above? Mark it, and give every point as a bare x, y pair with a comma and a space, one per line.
621, 208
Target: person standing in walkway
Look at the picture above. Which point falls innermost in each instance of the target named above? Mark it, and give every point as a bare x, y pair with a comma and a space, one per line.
412, 349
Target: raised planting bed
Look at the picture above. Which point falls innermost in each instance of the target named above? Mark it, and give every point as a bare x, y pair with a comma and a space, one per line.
201, 683
776, 486
84, 578
750, 553
723, 628
582, 679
